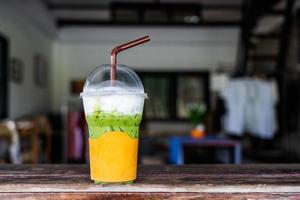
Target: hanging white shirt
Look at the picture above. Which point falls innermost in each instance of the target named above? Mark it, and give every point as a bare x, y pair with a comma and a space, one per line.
235, 96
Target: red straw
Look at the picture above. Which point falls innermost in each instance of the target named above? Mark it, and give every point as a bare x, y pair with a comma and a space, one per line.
123, 47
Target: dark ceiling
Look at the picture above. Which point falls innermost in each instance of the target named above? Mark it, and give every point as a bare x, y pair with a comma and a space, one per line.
164, 12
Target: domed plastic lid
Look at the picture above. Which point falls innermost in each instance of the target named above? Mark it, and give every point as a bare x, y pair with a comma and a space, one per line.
99, 83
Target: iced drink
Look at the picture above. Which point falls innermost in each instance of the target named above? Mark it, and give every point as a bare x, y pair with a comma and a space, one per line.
113, 99
113, 114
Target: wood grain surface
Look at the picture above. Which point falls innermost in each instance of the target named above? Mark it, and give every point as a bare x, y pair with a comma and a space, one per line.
154, 182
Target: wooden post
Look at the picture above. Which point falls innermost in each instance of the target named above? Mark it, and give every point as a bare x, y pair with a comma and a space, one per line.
281, 64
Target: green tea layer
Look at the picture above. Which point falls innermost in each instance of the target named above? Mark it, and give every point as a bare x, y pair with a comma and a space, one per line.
101, 122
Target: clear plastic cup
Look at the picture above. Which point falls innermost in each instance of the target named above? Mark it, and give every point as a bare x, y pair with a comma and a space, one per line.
113, 111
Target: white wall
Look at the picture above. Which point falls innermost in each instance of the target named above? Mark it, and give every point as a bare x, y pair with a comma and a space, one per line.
26, 38
79, 51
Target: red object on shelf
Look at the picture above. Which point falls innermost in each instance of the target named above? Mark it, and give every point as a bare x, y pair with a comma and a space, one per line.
76, 137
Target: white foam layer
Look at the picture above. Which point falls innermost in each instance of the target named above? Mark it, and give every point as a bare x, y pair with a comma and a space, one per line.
125, 104
118, 87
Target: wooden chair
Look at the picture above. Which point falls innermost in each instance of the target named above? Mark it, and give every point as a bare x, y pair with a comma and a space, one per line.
45, 129
33, 129
28, 129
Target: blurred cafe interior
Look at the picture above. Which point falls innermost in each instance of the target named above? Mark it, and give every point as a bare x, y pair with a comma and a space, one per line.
222, 78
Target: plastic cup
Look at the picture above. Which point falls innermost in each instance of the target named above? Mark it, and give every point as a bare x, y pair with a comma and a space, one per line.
113, 113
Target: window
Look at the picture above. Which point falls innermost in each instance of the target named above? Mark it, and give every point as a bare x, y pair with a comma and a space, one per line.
158, 90
190, 91
172, 93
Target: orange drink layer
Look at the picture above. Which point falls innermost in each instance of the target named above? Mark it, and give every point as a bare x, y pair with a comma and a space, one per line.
113, 157
113, 146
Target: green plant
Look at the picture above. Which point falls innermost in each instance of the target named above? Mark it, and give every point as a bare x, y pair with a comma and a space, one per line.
196, 113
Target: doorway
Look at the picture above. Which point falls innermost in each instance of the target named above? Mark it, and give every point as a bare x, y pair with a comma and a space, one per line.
3, 77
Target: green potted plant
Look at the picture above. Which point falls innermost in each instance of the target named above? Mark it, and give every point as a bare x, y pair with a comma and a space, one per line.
196, 113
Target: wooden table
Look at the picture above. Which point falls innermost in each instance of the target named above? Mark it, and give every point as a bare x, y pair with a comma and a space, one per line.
154, 182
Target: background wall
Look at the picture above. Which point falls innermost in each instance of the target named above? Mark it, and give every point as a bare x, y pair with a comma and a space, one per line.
26, 38
78, 51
